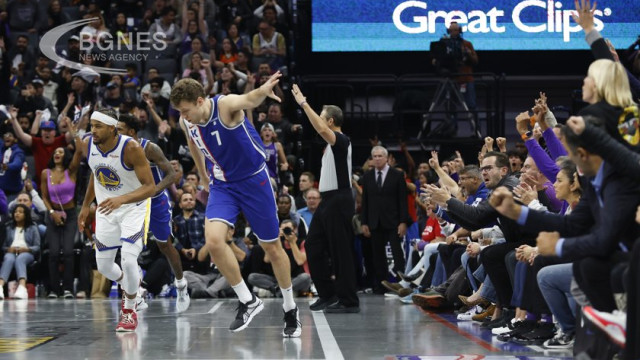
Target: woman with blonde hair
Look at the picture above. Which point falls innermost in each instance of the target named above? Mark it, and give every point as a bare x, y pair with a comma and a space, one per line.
606, 89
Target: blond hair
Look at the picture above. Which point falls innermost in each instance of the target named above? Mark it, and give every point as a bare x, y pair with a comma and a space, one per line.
186, 90
612, 84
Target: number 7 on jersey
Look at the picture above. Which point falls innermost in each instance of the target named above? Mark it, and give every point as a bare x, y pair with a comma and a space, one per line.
217, 135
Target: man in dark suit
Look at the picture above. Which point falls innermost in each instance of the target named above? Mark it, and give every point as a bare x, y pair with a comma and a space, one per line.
384, 213
598, 233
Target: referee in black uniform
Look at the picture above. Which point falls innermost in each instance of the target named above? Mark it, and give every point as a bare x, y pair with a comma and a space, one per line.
331, 232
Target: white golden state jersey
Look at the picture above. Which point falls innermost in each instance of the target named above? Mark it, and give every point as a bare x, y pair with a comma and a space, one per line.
111, 177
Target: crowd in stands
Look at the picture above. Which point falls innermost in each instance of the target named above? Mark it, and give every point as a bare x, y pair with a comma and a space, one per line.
522, 235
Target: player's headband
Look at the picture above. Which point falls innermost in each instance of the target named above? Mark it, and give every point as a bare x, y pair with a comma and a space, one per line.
105, 119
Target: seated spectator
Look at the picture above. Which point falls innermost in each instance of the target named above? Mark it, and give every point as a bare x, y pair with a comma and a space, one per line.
240, 41
230, 81
262, 273
50, 87
38, 95
313, 199
188, 229
268, 46
131, 80
166, 28
165, 89
32, 200
11, 166
202, 67
120, 31
58, 184
197, 47
21, 59
113, 96
155, 92
243, 61
21, 246
285, 212
211, 283
271, 15
157, 269
55, 15
284, 129
229, 53
306, 181
96, 30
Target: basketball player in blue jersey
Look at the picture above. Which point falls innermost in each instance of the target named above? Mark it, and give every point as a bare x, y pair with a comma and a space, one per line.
223, 143
122, 183
160, 221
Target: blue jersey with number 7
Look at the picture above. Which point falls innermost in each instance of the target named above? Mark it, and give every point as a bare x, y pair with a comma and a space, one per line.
231, 154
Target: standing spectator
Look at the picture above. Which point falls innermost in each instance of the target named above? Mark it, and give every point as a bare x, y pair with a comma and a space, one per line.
24, 16
313, 200
11, 166
235, 12
276, 160
58, 193
165, 89
384, 214
332, 232
306, 182
43, 146
21, 245
166, 28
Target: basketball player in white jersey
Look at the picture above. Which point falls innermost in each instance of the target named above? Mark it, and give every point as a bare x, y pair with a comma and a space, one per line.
122, 183
225, 145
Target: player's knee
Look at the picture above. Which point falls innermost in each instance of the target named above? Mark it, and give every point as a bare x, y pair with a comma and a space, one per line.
272, 248
163, 246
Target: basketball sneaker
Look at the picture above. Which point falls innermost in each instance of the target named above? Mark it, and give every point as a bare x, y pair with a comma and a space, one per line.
183, 300
613, 324
128, 321
245, 314
292, 326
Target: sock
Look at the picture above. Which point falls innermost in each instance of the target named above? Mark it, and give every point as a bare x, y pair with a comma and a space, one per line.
129, 303
287, 296
244, 295
404, 284
530, 317
181, 283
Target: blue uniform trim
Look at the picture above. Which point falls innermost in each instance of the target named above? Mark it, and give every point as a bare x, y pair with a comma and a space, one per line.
89, 149
104, 154
122, 155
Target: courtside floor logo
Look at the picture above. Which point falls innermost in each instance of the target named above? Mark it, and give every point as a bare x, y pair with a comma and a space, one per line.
103, 47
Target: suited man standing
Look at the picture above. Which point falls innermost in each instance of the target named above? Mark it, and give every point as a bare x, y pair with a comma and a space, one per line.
384, 213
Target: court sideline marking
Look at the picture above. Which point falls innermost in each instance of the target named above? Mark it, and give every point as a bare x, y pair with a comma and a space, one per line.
327, 340
215, 307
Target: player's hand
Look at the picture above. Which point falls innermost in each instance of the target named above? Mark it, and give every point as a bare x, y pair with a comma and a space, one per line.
267, 87
82, 217
107, 206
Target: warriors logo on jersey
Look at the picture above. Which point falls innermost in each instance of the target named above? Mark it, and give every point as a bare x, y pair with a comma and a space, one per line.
108, 177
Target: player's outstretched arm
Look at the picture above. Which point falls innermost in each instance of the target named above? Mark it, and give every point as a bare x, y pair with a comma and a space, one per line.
251, 100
